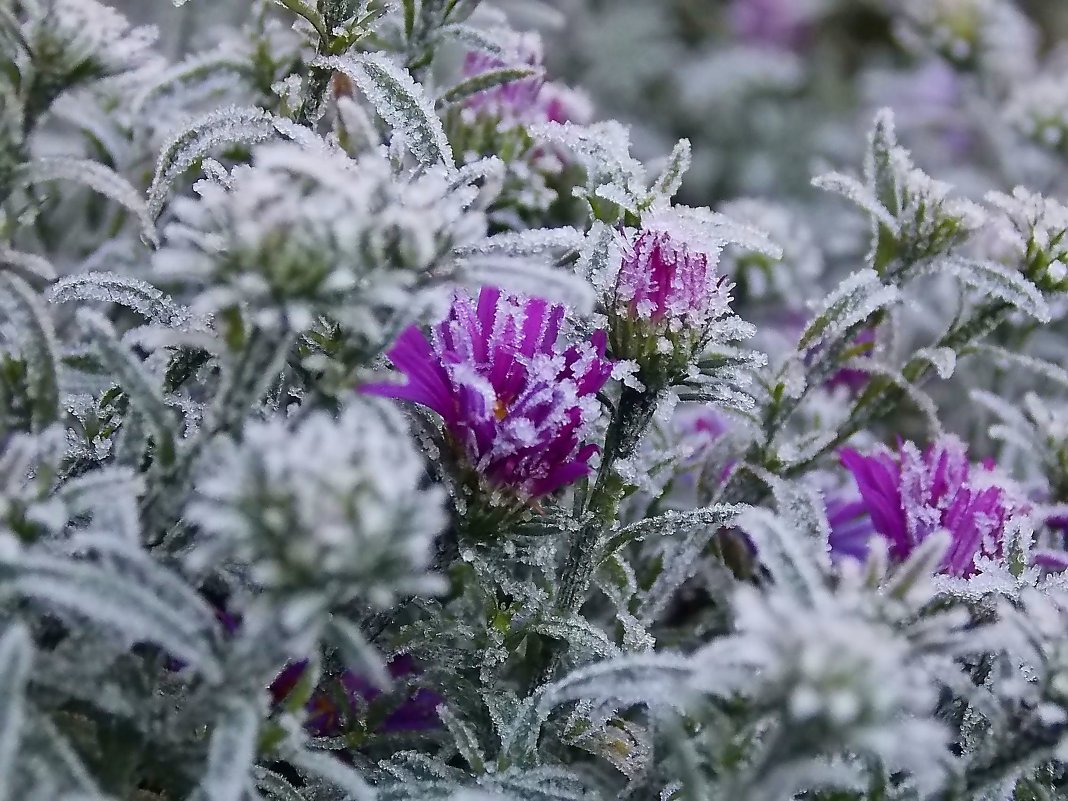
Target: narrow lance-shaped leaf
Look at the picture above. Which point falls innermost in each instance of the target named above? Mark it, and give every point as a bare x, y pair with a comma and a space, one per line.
108, 287
670, 179
998, 281
27, 266
98, 177
16, 654
200, 137
308, 10
135, 596
358, 654
400, 101
337, 773
483, 81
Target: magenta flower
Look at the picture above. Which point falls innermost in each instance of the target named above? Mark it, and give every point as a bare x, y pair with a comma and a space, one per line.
851, 527
909, 495
515, 406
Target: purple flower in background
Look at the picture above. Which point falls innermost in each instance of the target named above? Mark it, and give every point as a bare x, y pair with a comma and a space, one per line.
526, 100
778, 24
851, 526
514, 99
417, 712
516, 407
909, 495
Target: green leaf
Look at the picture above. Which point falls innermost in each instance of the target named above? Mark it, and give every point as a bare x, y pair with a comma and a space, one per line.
21, 305
409, 18
305, 9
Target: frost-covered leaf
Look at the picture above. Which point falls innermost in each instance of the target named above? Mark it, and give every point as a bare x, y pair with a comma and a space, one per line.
852, 302
483, 81
533, 242
358, 654
28, 266
792, 559
464, 738
670, 180
109, 287
400, 101
328, 768
131, 376
233, 748
997, 281
311, 13
129, 592
201, 136
98, 177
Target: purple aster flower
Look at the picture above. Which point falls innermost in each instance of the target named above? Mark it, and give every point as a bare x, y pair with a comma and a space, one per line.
778, 24
512, 100
515, 406
526, 100
909, 495
326, 718
667, 293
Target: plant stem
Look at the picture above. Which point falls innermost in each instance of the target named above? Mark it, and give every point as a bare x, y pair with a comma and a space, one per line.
629, 422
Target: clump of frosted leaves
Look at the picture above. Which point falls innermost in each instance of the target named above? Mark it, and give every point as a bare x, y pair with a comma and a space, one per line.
992, 36
914, 216
794, 276
1033, 635
330, 505
1031, 232
1038, 109
842, 681
929, 220
78, 40
308, 231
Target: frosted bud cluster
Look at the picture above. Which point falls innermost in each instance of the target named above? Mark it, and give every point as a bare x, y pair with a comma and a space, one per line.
839, 675
80, 39
310, 507
991, 36
300, 233
1032, 231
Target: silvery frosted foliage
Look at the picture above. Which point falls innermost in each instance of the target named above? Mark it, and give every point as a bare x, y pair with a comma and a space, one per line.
653, 502
300, 233
987, 35
308, 507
